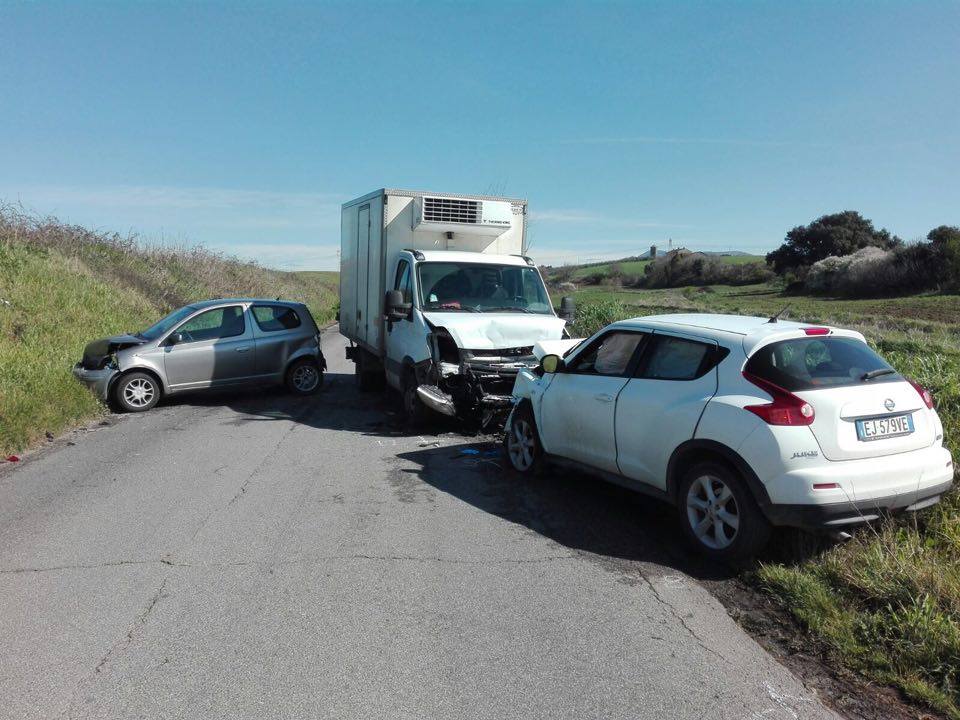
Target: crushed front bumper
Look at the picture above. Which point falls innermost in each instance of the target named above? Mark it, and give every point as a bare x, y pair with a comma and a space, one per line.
97, 380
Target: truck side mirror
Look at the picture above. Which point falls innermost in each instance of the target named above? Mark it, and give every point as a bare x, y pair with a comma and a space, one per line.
568, 309
394, 308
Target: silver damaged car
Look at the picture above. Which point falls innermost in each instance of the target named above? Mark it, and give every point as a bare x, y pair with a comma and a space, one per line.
210, 344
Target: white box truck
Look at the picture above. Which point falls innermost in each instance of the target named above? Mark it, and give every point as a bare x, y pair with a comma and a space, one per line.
439, 299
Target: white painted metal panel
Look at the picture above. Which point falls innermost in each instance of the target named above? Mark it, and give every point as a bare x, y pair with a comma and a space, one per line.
348, 271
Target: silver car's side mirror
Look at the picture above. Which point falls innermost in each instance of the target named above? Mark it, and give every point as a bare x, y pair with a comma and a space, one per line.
175, 339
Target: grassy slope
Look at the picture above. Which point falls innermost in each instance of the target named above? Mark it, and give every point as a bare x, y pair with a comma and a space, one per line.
888, 602
66, 287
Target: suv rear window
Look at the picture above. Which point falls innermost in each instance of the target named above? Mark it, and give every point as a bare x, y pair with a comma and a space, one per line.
811, 363
271, 318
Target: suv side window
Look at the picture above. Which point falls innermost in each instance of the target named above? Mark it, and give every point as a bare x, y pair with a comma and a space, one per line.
609, 355
403, 282
273, 318
674, 358
214, 324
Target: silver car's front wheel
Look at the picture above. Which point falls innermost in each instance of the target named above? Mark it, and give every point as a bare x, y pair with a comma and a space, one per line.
137, 392
522, 442
712, 512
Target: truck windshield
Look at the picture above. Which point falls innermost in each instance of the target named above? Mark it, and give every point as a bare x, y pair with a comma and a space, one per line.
482, 287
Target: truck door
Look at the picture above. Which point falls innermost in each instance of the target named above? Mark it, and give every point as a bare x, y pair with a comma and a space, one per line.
363, 274
403, 336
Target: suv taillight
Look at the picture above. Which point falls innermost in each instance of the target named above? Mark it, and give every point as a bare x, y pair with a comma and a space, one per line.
786, 408
924, 393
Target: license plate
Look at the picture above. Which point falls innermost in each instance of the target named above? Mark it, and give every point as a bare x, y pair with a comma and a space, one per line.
887, 427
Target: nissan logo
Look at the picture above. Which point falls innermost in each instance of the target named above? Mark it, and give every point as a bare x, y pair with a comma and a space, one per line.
889, 404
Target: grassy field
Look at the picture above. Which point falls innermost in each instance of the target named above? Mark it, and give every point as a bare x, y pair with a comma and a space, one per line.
887, 603
61, 287
636, 267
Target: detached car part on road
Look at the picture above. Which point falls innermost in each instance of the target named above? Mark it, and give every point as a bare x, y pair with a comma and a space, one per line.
742, 423
206, 345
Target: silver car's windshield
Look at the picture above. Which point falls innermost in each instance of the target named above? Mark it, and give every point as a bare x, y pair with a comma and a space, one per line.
482, 287
157, 330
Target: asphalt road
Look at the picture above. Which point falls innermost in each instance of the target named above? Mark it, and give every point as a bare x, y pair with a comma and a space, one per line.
267, 557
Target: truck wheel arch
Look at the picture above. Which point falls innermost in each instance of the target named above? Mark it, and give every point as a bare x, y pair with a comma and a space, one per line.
691, 452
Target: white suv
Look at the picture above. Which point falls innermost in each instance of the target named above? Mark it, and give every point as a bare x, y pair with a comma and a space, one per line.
740, 422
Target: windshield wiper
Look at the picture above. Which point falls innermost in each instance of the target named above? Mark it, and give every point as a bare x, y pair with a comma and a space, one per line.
511, 308
877, 373
450, 308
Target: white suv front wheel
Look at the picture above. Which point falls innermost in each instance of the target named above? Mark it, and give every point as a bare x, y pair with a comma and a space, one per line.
719, 514
522, 442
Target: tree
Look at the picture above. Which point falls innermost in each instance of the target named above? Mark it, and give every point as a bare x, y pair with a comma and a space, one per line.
839, 234
946, 242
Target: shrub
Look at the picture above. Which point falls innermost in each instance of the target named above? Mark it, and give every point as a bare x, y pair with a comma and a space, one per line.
946, 242
696, 269
873, 272
839, 234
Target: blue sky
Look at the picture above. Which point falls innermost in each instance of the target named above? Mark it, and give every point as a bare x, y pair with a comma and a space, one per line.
244, 126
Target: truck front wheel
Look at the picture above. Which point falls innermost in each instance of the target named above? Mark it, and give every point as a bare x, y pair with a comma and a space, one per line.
414, 411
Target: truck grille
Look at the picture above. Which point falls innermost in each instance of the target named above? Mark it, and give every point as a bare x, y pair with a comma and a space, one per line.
451, 210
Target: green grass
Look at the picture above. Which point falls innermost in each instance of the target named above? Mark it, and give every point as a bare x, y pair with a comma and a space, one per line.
887, 603
61, 287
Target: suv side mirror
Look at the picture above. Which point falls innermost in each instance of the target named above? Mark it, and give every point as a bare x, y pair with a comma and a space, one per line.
175, 339
551, 363
568, 309
394, 308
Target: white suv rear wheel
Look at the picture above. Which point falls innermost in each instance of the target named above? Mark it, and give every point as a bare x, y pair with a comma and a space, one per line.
719, 514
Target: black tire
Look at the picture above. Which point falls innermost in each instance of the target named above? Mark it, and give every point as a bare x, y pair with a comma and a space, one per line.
304, 377
414, 411
712, 494
136, 392
521, 441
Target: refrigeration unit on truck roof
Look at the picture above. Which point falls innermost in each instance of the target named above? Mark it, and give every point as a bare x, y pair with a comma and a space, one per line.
465, 215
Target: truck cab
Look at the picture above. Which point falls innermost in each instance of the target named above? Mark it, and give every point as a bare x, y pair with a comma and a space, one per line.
460, 325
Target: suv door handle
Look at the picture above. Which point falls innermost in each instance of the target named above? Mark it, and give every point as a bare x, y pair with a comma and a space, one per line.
603, 397
243, 349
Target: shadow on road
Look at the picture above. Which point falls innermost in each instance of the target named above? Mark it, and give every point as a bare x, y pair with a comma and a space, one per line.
574, 509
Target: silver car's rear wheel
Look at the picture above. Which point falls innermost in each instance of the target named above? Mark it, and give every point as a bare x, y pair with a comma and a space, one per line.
304, 377
136, 392
712, 512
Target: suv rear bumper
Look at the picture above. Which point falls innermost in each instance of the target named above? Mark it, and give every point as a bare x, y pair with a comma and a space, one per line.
840, 514
831, 493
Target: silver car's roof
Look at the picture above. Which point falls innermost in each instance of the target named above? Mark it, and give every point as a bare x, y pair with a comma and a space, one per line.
233, 301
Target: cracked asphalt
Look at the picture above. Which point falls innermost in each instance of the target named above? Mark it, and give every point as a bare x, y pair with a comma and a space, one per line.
261, 556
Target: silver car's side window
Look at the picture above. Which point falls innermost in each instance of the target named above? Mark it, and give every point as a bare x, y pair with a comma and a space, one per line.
214, 324
273, 318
